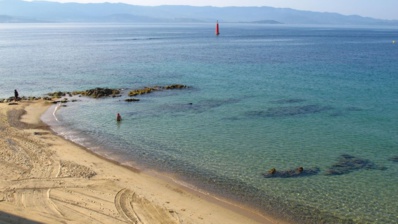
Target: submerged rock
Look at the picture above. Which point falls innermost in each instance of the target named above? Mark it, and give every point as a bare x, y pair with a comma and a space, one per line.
348, 163
298, 172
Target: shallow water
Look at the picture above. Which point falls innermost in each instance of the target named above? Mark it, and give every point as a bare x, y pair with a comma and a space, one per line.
261, 97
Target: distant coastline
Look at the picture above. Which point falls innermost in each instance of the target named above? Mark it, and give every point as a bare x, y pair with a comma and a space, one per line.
12, 19
265, 22
17, 11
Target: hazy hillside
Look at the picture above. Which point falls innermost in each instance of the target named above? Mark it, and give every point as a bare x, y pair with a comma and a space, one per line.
11, 10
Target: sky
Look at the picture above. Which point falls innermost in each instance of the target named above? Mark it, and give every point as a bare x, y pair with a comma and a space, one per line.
380, 9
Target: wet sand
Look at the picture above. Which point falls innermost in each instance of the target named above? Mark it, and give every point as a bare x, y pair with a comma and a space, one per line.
48, 179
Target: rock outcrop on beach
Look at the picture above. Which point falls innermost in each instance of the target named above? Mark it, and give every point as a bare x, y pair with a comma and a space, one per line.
57, 94
107, 92
23, 98
94, 93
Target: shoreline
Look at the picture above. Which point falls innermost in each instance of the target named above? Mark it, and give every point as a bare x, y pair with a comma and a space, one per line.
70, 177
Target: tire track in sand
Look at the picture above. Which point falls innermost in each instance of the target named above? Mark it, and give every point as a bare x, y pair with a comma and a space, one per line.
140, 210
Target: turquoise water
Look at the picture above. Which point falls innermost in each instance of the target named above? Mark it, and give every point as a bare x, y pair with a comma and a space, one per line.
261, 97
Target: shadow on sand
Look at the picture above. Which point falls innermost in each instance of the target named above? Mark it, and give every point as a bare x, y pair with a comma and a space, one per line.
10, 218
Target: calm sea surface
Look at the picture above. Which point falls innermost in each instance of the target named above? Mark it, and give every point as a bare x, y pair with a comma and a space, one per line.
260, 97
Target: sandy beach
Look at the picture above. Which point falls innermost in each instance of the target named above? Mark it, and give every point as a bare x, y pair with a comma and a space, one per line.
47, 179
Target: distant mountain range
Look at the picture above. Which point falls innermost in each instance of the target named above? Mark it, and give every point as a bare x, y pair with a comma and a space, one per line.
13, 11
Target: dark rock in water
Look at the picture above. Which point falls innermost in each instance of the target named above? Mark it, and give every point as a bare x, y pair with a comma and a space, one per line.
175, 86
348, 163
394, 159
298, 172
106, 92
58, 94
94, 93
287, 111
147, 90
132, 100
100, 92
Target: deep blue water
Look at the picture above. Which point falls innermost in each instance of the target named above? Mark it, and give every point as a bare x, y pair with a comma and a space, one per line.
260, 97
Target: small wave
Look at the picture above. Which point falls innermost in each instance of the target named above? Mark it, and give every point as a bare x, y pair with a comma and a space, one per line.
55, 111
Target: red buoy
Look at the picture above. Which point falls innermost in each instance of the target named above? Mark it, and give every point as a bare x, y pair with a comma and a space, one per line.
217, 29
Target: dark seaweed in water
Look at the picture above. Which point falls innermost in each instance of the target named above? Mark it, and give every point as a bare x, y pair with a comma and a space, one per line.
348, 163
198, 107
287, 101
353, 109
299, 172
290, 211
287, 111
394, 159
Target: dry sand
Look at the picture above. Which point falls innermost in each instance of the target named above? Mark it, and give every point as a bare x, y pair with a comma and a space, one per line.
48, 179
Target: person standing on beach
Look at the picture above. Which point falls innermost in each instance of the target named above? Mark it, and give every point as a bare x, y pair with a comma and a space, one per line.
16, 95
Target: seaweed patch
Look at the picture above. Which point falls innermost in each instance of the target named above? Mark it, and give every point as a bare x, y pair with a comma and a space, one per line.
394, 159
198, 107
348, 163
287, 101
353, 109
287, 111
